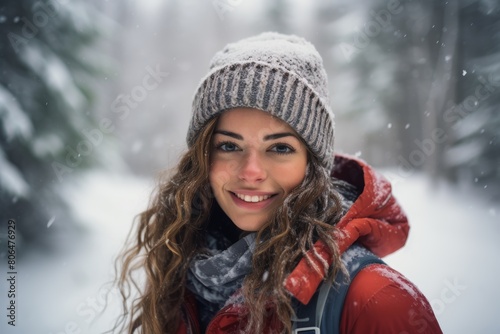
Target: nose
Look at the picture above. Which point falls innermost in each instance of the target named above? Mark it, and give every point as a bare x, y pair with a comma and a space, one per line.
252, 168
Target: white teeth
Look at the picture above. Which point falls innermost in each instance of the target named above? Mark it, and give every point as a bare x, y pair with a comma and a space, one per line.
252, 199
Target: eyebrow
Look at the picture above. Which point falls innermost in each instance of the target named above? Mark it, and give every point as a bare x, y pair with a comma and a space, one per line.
267, 137
278, 135
229, 134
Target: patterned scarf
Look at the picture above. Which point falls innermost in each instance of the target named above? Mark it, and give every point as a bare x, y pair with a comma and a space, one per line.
214, 277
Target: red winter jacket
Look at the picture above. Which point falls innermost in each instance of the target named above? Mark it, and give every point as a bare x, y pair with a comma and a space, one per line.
379, 299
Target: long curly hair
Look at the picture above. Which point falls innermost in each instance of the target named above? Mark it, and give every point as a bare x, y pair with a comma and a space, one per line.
169, 233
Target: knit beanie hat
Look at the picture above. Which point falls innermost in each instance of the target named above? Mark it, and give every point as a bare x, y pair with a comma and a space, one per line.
279, 74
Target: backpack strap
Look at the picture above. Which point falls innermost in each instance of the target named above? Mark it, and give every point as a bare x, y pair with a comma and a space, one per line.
308, 318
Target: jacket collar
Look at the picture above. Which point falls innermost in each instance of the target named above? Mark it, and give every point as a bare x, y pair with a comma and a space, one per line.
375, 220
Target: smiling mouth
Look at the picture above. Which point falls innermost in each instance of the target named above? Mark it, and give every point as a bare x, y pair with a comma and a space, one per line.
252, 199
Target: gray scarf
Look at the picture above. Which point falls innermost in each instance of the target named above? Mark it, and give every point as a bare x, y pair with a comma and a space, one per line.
214, 277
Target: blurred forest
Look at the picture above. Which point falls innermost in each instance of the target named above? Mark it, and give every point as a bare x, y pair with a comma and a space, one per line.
108, 84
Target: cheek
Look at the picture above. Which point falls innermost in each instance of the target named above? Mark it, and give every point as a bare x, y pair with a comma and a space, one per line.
220, 172
290, 177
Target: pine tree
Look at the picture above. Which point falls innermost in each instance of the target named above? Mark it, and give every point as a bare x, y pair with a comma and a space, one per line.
443, 92
474, 152
45, 101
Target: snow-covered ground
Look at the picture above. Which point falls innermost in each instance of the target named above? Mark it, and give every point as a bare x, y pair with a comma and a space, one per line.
450, 255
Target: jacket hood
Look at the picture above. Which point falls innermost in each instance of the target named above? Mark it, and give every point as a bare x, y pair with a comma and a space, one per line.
375, 220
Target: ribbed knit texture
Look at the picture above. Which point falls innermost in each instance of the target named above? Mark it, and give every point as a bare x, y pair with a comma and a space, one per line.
280, 74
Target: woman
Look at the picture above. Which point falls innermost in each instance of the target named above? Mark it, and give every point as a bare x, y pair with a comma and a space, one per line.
259, 210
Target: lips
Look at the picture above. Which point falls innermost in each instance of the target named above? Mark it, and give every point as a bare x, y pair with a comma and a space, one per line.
252, 200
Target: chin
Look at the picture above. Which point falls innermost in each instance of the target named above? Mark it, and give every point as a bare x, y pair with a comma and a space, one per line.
248, 226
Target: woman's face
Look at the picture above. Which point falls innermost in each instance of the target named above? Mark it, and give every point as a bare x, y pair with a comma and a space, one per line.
256, 160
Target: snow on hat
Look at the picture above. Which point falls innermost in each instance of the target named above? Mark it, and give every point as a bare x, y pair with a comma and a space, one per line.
280, 74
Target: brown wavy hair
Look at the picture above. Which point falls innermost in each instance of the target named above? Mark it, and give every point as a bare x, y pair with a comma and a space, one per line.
169, 233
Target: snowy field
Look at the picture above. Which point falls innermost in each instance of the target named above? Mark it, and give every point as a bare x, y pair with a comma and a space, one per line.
451, 255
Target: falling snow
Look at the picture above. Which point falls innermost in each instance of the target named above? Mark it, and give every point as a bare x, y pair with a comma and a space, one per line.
51, 221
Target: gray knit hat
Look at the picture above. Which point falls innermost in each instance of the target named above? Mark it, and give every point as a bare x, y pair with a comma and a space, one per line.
280, 74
